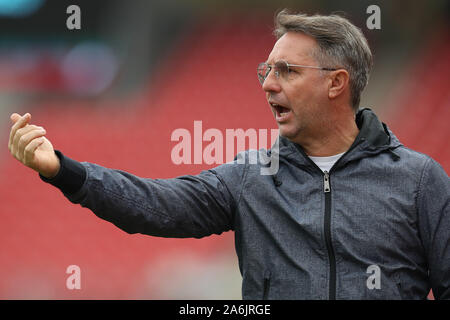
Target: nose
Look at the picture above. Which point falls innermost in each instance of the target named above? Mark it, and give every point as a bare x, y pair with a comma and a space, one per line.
271, 83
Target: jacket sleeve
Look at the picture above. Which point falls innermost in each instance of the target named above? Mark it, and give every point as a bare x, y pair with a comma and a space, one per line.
433, 202
182, 207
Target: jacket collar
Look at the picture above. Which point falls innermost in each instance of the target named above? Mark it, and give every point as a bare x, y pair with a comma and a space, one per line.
373, 137
371, 129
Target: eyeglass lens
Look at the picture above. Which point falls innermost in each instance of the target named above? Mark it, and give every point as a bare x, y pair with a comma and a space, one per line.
281, 69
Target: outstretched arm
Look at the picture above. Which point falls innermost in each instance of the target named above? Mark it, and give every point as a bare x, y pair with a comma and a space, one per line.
187, 206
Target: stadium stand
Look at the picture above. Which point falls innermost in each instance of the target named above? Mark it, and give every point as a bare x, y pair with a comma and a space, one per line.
421, 107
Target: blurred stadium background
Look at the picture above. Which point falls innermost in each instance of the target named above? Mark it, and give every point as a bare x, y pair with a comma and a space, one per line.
113, 92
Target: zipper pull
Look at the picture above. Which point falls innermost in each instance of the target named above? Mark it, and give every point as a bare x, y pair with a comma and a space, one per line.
326, 182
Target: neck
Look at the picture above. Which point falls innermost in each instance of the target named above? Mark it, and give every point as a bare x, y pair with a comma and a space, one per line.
335, 136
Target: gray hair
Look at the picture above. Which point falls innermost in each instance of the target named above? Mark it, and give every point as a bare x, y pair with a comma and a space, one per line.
341, 44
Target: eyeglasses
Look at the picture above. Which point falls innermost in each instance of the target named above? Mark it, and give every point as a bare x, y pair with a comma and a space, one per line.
282, 69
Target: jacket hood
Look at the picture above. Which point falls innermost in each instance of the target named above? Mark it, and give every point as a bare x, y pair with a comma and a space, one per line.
374, 137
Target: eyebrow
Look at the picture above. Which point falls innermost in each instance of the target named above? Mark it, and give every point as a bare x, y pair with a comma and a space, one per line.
286, 60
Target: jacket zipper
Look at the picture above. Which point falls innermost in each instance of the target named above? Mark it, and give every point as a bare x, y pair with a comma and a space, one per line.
327, 232
327, 218
327, 222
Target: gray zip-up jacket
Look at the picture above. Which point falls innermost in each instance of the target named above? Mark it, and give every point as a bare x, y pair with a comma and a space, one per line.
377, 226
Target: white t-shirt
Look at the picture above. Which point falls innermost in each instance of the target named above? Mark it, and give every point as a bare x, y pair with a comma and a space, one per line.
325, 163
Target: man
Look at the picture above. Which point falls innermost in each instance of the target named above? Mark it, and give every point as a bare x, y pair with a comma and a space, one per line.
351, 213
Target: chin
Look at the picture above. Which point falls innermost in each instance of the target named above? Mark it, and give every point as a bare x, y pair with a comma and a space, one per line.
287, 131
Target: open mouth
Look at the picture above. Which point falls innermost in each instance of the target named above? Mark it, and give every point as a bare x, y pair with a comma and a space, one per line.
281, 112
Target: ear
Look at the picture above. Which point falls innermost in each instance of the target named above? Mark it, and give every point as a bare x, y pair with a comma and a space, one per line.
339, 80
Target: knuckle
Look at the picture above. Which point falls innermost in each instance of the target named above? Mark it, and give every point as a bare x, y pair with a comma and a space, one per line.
31, 146
22, 140
16, 138
28, 148
36, 130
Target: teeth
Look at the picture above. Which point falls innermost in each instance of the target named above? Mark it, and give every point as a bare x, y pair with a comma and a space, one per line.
279, 108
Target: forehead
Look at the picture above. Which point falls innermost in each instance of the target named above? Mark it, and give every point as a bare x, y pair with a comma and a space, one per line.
294, 47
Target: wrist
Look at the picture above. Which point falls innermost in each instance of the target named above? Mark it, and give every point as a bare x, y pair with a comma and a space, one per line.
69, 176
53, 168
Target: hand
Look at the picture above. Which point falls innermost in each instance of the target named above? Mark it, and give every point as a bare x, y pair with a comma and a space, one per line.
28, 144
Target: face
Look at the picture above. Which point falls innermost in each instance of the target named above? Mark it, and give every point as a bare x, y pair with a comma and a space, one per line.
299, 102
